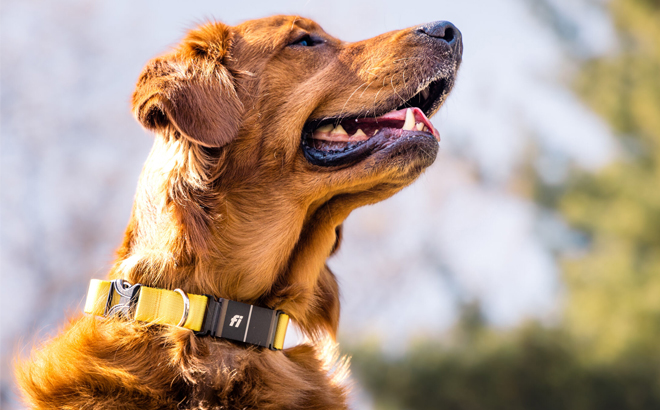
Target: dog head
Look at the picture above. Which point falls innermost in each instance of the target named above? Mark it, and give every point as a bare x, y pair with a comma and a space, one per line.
269, 134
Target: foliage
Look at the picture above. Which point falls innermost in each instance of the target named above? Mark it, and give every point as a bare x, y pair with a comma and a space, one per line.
534, 368
613, 303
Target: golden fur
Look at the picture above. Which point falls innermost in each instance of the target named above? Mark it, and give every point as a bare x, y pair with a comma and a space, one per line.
228, 205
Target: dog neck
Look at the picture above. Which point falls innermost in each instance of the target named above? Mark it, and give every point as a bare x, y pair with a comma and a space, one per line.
263, 247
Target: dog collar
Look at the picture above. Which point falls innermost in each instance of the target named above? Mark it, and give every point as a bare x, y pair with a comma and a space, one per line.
203, 314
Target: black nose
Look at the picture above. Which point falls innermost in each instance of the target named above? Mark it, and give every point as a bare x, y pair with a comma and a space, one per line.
443, 31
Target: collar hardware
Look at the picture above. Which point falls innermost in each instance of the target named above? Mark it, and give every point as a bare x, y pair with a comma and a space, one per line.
203, 314
186, 307
241, 322
127, 295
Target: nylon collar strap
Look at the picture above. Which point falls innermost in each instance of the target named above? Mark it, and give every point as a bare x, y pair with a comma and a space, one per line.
205, 315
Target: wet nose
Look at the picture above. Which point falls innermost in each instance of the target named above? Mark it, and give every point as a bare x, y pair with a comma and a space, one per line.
443, 31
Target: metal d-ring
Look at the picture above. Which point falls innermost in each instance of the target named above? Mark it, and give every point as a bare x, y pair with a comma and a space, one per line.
186, 306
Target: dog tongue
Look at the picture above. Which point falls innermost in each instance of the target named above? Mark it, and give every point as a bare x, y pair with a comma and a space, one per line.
361, 129
418, 114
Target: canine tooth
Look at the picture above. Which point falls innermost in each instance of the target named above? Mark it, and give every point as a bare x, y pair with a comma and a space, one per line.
425, 93
339, 130
419, 126
426, 129
410, 120
359, 135
325, 128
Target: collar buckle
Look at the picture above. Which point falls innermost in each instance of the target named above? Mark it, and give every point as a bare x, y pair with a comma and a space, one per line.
241, 322
128, 295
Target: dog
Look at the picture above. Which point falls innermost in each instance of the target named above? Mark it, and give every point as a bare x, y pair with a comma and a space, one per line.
267, 135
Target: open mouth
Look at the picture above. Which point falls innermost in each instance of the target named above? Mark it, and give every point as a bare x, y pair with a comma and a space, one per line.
347, 140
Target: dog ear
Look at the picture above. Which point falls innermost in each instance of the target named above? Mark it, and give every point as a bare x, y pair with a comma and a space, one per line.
191, 90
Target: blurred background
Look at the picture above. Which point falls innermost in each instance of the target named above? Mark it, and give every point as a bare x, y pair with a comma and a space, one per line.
521, 271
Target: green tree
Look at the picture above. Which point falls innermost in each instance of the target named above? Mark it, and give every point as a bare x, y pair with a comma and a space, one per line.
613, 304
531, 368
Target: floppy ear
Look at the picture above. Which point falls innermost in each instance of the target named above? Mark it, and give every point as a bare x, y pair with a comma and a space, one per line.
191, 90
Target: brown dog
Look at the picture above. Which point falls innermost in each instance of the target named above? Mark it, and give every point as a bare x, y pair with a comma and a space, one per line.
268, 135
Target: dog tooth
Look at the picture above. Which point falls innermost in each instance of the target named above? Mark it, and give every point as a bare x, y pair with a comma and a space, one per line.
339, 130
425, 93
426, 129
359, 135
410, 120
419, 126
325, 128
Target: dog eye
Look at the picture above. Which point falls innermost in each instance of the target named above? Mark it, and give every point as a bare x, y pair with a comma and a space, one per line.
305, 41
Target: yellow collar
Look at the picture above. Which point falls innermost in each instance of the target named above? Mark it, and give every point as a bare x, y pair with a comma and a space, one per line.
205, 315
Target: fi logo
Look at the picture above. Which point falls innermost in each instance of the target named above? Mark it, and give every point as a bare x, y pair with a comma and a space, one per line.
235, 321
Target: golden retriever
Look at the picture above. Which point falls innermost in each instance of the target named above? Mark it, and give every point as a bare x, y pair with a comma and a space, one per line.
268, 134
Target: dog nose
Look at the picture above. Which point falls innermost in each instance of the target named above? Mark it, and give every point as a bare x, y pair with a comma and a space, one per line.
443, 31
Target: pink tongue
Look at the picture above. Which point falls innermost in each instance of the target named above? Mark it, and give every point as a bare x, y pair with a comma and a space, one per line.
372, 125
400, 115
